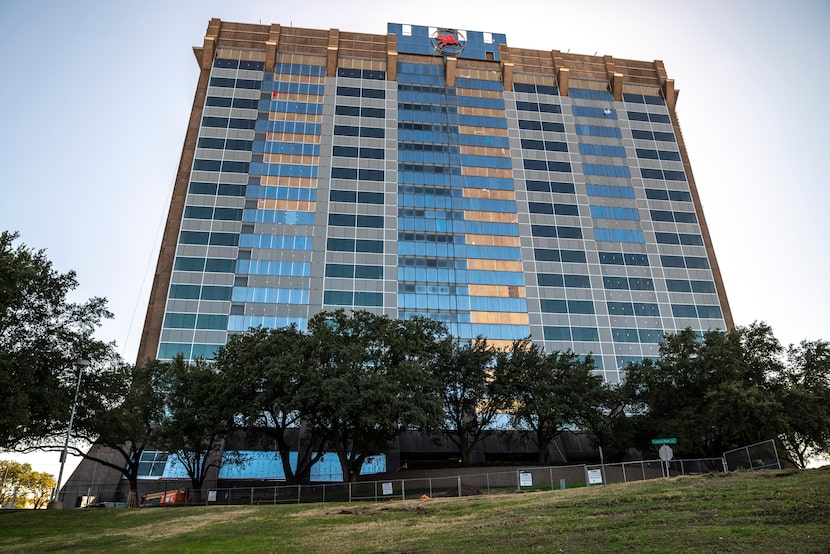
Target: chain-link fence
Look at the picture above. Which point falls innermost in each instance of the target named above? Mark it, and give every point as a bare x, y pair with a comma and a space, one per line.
761, 455
492, 482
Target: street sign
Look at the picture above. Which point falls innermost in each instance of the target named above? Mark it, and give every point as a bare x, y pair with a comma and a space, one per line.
663, 441
666, 453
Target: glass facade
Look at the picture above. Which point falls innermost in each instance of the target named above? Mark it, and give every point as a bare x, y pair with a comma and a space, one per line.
438, 187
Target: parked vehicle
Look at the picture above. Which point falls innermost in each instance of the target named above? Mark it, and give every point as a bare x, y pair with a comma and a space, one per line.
166, 498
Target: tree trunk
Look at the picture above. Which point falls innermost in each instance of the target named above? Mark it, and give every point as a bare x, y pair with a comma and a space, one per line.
132, 497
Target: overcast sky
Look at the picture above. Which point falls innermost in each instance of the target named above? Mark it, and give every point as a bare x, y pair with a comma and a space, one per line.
97, 96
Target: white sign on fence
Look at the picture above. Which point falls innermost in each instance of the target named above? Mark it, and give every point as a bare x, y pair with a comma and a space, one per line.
526, 479
211, 496
387, 488
594, 476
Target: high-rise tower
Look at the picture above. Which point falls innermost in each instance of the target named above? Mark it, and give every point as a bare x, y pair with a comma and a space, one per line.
439, 172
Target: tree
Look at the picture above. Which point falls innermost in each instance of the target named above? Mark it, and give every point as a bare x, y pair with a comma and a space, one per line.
122, 408
376, 380
549, 391
278, 373
712, 394
41, 334
199, 411
471, 396
21, 486
805, 384
39, 487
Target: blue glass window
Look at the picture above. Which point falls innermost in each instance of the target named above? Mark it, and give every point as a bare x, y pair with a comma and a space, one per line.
588, 111
683, 310
703, 286
606, 170
597, 131
610, 212
619, 235
546, 186
609, 191
602, 150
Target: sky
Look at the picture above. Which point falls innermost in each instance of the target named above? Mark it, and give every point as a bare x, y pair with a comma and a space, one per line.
98, 95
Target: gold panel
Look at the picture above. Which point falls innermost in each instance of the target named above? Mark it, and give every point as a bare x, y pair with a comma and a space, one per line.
485, 151
301, 59
362, 63
290, 159
589, 84
500, 291
492, 240
502, 318
297, 97
472, 110
494, 265
489, 193
291, 78
294, 205
289, 116
495, 217
476, 93
482, 74
282, 181
487, 172
240, 54
501, 344
293, 137
487, 131
630, 88
535, 78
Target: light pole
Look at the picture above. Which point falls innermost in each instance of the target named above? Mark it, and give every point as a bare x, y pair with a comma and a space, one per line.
80, 365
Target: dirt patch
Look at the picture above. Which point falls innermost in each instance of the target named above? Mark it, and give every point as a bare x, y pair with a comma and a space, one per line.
182, 525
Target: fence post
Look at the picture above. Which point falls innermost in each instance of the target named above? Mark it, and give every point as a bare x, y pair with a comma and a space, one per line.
488, 482
252, 496
324, 492
777, 459
625, 479
748, 458
430, 487
550, 473
275, 495
299, 493
459, 486
725, 465
350, 492
643, 467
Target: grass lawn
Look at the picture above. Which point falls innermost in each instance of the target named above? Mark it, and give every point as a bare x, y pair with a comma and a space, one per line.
769, 511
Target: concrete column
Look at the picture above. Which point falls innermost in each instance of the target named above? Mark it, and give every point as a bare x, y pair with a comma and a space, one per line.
271, 47
449, 67
331, 51
391, 57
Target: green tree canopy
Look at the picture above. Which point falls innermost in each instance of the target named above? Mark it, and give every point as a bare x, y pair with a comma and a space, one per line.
22, 486
549, 391
712, 394
805, 384
472, 395
41, 334
121, 408
275, 374
376, 380
199, 411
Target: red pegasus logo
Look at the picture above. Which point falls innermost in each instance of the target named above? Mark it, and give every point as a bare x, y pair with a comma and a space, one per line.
447, 39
